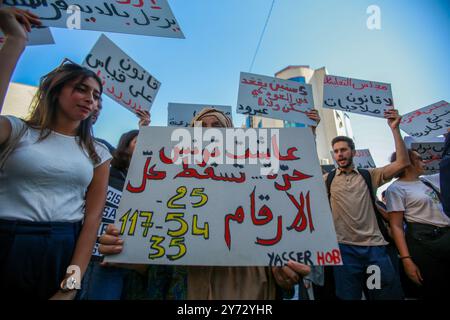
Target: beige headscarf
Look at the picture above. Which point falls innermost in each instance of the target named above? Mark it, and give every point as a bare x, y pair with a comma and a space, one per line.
224, 120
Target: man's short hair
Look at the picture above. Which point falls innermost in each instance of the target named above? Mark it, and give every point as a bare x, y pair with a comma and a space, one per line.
349, 141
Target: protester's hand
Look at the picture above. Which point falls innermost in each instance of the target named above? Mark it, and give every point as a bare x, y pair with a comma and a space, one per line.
110, 243
393, 118
17, 22
144, 117
313, 114
60, 295
412, 271
289, 275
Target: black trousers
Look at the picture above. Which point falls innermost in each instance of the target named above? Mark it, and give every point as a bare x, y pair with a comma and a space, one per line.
34, 257
429, 248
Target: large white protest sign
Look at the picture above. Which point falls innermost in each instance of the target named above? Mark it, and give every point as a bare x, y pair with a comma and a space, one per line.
431, 154
362, 159
211, 210
37, 36
123, 79
181, 114
357, 96
430, 121
149, 17
274, 98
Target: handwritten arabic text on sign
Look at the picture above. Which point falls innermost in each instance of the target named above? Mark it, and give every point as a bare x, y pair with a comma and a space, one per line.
275, 98
431, 154
149, 17
430, 121
181, 114
225, 215
123, 79
357, 96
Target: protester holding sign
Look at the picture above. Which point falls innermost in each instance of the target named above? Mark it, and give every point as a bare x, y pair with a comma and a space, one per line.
360, 229
425, 246
53, 175
206, 282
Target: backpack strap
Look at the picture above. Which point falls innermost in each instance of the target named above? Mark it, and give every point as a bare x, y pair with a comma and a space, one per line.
329, 180
432, 187
380, 220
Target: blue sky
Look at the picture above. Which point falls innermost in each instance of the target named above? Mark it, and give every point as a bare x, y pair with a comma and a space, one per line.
410, 51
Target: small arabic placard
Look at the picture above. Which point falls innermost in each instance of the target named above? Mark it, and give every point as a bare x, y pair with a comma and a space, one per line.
362, 159
274, 98
113, 197
212, 211
431, 154
123, 79
142, 17
357, 96
430, 121
181, 114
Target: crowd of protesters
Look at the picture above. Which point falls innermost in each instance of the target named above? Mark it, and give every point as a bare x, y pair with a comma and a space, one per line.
52, 160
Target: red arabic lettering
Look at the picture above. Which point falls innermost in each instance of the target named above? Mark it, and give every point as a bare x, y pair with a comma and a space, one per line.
238, 216
265, 212
139, 5
155, 6
112, 91
297, 176
209, 174
147, 174
348, 82
289, 157
301, 221
419, 113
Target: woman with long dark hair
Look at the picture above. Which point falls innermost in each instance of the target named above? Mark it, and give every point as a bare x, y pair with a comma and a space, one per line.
53, 176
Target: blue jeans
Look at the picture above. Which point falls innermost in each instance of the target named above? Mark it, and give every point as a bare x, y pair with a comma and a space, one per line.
350, 279
102, 283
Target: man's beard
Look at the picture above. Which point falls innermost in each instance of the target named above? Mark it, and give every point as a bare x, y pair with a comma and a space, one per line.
347, 165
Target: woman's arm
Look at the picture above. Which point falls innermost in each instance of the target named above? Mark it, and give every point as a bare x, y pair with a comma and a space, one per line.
15, 23
95, 202
396, 224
